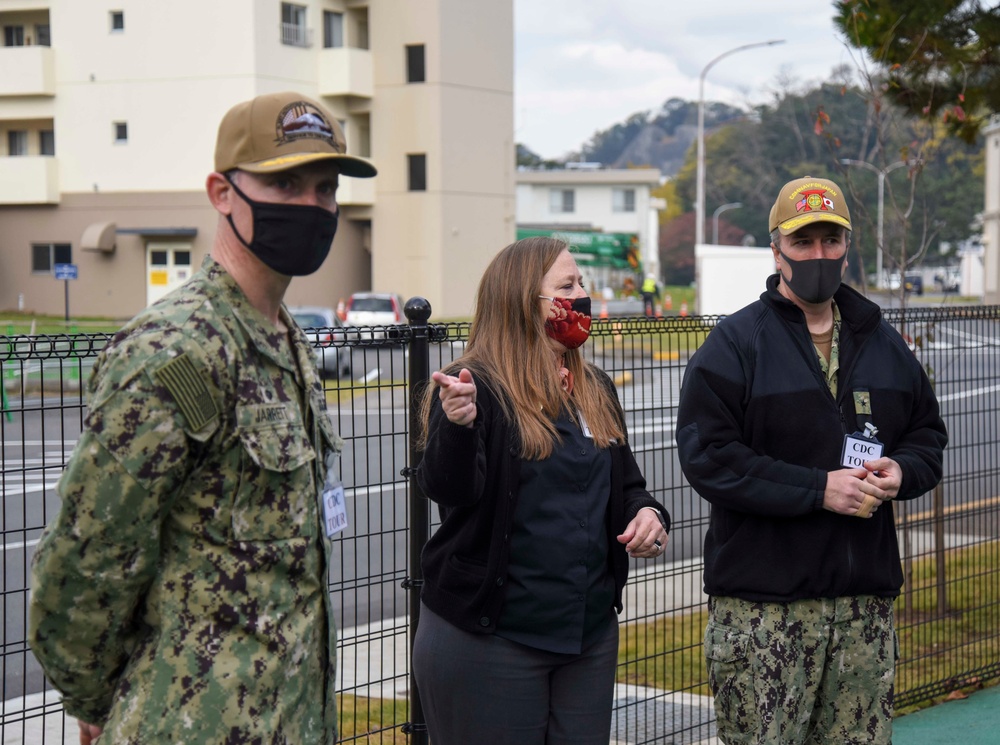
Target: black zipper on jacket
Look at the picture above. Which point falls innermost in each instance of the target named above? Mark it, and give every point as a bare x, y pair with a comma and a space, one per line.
841, 397
781, 305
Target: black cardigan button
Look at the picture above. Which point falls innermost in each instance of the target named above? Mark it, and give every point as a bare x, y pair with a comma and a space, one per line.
484, 621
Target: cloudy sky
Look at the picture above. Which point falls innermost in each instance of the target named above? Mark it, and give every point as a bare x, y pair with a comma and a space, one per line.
584, 65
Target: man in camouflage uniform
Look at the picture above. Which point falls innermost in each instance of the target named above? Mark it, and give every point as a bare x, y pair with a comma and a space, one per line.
782, 415
180, 595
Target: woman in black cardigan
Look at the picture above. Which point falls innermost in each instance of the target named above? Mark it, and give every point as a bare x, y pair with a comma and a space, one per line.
542, 504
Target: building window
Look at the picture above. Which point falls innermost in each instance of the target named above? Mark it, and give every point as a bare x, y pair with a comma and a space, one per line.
17, 142
562, 200
623, 200
44, 256
293, 26
121, 132
333, 29
417, 167
415, 63
13, 36
117, 20
43, 35
46, 142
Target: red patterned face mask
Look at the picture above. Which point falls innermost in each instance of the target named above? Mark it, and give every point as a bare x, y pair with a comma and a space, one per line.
569, 320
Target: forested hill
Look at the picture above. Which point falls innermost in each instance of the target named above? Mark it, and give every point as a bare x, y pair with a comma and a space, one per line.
659, 139
825, 130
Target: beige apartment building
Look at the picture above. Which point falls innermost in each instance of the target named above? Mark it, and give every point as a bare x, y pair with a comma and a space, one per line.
108, 117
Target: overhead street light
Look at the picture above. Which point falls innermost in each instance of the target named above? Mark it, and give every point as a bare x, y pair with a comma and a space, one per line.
715, 219
699, 207
881, 173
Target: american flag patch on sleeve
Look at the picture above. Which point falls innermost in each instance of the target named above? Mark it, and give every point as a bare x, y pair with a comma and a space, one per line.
189, 391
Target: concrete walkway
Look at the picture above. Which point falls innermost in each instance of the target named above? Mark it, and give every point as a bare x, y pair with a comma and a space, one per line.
971, 721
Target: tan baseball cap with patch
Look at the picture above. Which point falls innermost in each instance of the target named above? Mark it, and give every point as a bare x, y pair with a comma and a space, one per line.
280, 131
808, 200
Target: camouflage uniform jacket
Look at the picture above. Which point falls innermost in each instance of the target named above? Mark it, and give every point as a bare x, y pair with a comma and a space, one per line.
180, 595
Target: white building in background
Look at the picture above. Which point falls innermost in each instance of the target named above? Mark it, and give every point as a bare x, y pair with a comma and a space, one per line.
991, 214
108, 118
585, 197
971, 272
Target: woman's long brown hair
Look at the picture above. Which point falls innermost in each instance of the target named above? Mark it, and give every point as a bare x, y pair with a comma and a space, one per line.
508, 345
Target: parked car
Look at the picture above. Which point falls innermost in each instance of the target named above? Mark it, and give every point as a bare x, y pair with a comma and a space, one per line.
375, 309
915, 284
912, 282
949, 279
324, 329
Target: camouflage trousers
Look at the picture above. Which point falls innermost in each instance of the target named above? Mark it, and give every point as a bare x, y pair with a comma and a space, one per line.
809, 672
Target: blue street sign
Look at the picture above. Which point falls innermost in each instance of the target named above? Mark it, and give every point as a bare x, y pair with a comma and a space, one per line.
65, 271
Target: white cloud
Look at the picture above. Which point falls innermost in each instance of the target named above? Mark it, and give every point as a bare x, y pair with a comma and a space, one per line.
584, 65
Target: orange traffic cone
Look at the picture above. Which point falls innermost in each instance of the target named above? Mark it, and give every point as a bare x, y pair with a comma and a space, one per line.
341, 310
604, 309
659, 311
668, 302
684, 309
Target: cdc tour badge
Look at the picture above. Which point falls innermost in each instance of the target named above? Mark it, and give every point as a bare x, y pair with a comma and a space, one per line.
860, 447
334, 504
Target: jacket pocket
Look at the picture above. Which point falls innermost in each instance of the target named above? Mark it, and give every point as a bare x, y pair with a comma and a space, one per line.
465, 576
276, 497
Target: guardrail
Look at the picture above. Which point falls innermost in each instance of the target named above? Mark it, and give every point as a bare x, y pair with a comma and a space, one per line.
948, 616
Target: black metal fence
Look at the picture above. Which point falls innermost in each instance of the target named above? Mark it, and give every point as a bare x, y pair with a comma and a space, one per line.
948, 616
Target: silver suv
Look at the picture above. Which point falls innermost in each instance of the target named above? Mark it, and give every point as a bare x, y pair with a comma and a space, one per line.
323, 329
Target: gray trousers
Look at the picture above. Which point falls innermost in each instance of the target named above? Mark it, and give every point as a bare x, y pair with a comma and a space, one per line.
480, 688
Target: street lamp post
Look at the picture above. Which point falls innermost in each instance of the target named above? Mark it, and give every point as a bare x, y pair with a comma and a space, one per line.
699, 207
715, 219
881, 173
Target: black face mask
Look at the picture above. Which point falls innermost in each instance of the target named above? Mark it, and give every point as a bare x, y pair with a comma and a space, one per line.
814, 280
292, 239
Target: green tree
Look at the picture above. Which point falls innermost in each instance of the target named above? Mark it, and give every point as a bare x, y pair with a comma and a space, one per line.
940, 57
605, 146
809, 132
528, 158
667, 192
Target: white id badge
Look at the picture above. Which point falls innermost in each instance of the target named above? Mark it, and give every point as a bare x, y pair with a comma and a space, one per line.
334, 510
583, 425
334, 504
858, 448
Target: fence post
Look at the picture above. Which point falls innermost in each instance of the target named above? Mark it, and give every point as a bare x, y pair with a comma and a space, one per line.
417, 311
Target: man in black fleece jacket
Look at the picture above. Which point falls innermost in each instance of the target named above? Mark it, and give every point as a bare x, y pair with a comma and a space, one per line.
801, 559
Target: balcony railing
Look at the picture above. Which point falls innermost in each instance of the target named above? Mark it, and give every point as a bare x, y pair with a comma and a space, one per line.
356, 191
345, 71
29, 179
27, 71
294, 35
